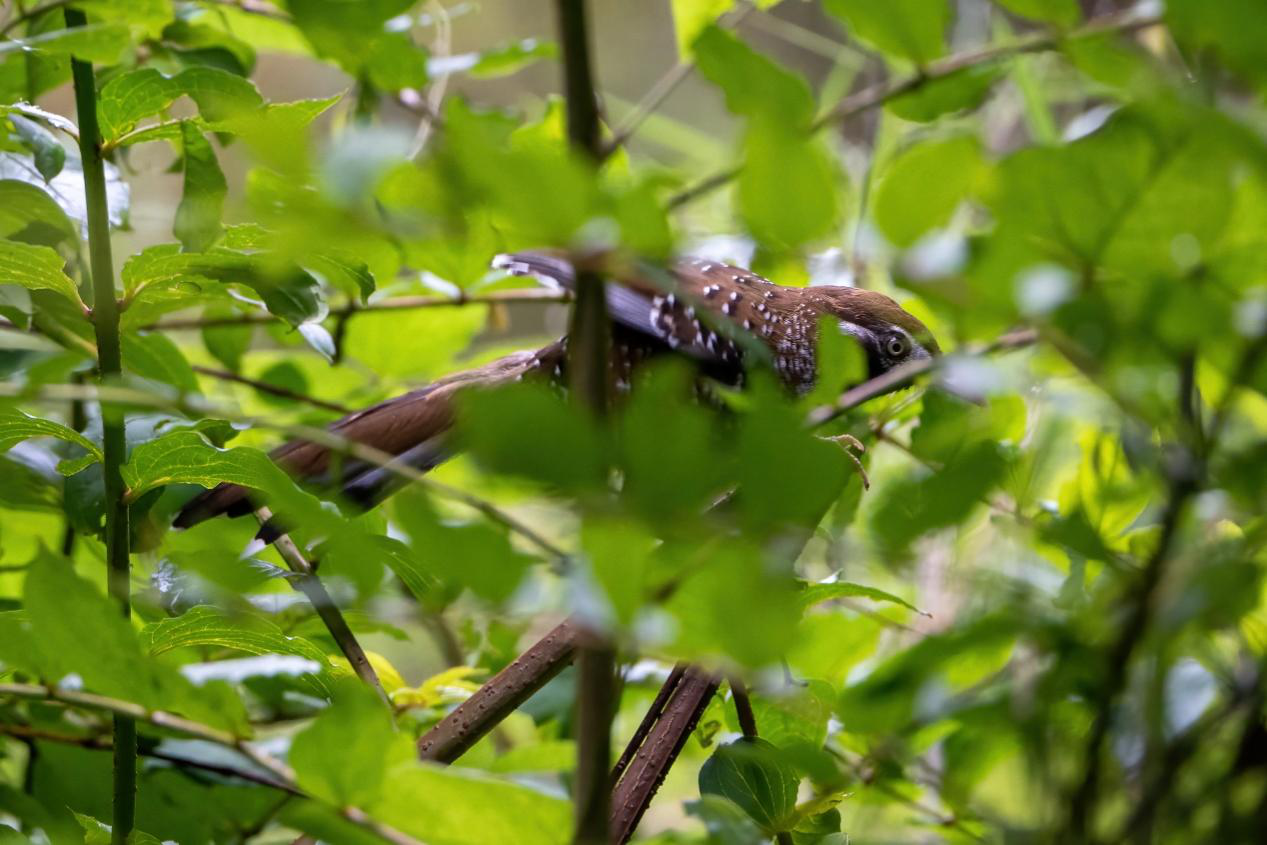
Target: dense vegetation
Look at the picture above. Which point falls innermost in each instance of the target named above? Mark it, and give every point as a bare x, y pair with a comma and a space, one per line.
1045, 620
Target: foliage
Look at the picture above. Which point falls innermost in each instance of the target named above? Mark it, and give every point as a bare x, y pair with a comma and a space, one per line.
1046, 620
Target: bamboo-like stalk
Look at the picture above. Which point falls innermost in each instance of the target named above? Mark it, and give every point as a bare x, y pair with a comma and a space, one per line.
105, 320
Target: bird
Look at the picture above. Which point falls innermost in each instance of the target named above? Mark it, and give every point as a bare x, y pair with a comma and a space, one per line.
724, 318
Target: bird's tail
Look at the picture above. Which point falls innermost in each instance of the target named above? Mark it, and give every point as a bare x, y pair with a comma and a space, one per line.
413, 428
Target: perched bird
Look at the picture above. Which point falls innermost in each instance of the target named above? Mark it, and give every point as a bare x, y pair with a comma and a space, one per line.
720, 316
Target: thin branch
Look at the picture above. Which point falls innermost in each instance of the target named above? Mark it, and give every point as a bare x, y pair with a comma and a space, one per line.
660, 91
178, 724
440, 47
743, 708
881, 93
30, 14
271, 389
401, 303
307, 582
105, 321
500, 696
899, 376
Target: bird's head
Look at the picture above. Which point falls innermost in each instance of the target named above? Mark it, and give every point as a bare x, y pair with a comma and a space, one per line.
889, 334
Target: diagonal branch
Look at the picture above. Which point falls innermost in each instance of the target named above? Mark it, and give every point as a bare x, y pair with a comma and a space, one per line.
307, 582
883, 92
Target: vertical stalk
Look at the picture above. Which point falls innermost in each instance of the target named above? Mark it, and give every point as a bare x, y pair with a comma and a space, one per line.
105, 319
589, 341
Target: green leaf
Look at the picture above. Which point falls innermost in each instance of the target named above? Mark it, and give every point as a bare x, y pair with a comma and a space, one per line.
197, 223
209, 626
473, 555
67, 188
1235, 29
101, 43
36, 268
23, 204
100, 833
754, 85
50, 155
692, 17
450, 806
155, 356
725, 821
959, 91
517, 430
912, 29
921, 188
779, 164
130, 96
185, 458
357, 37
16, 426
814, 594
751, 773
1063, 12
344, 755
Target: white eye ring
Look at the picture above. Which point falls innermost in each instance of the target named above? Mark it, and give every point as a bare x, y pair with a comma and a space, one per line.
895, 346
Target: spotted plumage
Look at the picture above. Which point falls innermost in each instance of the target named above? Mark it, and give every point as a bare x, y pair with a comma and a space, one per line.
725, 318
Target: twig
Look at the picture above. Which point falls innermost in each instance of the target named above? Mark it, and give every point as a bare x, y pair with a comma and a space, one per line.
30, 14
105, 321
440, 47
401, 303
307, 582
883, 92
660, 91
651, 761
900, 375
499, 696
171, 722
743, 708
271, 389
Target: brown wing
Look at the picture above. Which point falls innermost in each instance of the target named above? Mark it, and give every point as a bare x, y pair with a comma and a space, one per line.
413, 427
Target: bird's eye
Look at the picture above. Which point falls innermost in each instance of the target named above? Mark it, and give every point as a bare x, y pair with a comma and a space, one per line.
896, 346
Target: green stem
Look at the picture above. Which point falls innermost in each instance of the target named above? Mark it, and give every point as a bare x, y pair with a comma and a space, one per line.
105, 318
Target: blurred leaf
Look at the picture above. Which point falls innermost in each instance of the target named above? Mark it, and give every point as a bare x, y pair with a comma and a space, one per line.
36, 268
910, 29
962, 90
556, 756
344, 755
915, 506
451, 806
813, 594
155, 356
1234, 29
692, 17
1064, 12
357, 38
725, 821
922, 186
102, 43
197, 223
474, 555
100, 833
779, 163
795, 715
754, 85
527, 430
750, 773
